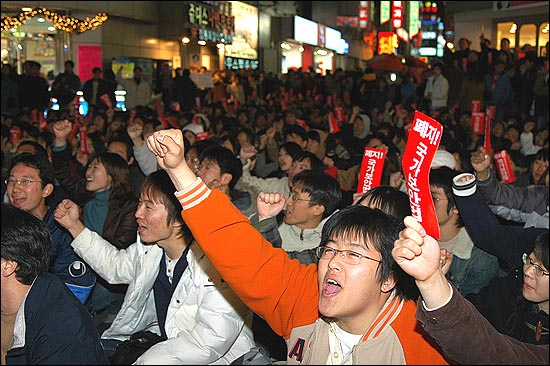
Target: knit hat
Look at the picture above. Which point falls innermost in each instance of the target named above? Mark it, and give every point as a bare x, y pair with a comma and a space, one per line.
443, 158
195, 128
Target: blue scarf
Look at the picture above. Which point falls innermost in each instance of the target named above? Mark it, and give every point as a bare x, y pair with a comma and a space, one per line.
95, 211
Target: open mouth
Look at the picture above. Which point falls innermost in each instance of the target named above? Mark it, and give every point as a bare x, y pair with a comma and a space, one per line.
331, 287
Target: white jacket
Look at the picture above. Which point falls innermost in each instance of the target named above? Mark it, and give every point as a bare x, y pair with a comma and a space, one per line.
206, 322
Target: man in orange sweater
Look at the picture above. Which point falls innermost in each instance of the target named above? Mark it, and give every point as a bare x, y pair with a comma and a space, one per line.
348, 309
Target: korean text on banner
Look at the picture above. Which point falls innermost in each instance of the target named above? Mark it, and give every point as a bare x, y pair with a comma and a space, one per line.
371, 169
420, 150
504, 167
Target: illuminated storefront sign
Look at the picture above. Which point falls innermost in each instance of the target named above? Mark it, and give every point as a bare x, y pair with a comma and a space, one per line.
363, 14
384, 11
387, 42
245, 39
305, 30
414, 17
397, 14
209, 24
235, 63
332, 39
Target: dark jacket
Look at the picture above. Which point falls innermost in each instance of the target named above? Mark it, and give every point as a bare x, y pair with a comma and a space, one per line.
120, 227
33, 92
184, 91
103, 87
57, 329
501, 302
64, 88
469, 339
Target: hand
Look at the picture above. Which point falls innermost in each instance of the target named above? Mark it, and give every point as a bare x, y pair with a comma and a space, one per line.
481, 162
328, 161
67, 215
134, 131
356, 197
271, 133
167, 145
269, 204
529, 126
417, 253
248, 151
61, 129
446, 258
82, 158
396, 178
356, 109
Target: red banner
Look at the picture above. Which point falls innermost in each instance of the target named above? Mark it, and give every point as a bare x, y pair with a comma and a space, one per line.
504, 167
43, 124
83, 140
332, 124
132, 116
301, 123
202, 136
15, 136
340, 116
105, 99
371, 169
477, 122
422, 144
487, 142
475, 105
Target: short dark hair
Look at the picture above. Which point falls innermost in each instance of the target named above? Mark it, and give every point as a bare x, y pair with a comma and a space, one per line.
37, 161
25, 240
378, 230
443, 178
226, 160
295, 129
96, 69
137, 68
159, 188
322, 188
315, 162
69, 62
388, 199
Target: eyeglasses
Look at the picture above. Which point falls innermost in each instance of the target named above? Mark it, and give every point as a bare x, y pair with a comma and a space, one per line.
437, 199
348, 256
296, 198
539, 272
193, 160
21, 182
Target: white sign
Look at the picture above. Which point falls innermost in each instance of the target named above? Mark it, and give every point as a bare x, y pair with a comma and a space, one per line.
305, 30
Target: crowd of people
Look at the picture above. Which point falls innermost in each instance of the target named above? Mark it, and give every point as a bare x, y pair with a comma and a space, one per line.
225, 225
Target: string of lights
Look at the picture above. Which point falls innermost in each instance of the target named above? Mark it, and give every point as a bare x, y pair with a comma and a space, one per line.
59, 21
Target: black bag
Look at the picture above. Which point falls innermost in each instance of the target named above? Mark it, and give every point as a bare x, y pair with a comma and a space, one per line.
129, 351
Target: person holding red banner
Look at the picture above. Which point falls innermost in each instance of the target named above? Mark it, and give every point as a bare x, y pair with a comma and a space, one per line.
310, 305
530, 203
465, 335
471, 268
95, 87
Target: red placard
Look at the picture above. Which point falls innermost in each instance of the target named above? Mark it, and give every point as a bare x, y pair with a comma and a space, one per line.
504, 167
477, 121
202, 136
301, 123
371, 169
83, 140
422, 144
340, 116
89, 56
475, 105
487, 141
332, 124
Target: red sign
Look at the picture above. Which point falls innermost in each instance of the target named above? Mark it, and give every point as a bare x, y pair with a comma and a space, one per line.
332, 123
88, 57
371, 169
422, 144
363, 14
397, 14
487, 142
491, 111
340, 116
15, 135
504, 167
475, 105
83, 140
477, 121
202, 136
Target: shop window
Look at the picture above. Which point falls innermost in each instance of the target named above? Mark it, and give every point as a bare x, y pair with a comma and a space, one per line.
506, 30
527, 36
543, 39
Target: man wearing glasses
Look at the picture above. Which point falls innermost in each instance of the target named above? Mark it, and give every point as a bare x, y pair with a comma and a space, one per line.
348, 309
313, 199
30, 187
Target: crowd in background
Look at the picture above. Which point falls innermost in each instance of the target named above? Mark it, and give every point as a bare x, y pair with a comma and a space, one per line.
255, 132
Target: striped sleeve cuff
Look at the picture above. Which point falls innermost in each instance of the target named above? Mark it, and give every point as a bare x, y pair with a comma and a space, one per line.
464, 185
193, 195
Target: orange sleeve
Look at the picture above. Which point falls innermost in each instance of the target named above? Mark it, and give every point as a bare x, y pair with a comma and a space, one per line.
281, 290
418, 346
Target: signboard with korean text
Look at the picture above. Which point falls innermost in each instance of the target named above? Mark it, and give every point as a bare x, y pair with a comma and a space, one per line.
422, 144
216, 24
245, 39
372, 166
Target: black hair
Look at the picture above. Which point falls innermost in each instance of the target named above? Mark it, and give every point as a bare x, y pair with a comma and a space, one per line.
37, 161
322, 188
69, 62
37, 147
377, 229
315, 162
121, 181
159, 188
443, 178
226, 160
540, 249
292, 149
25, 240
295, 129
388, 199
